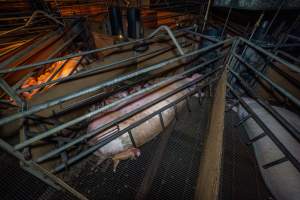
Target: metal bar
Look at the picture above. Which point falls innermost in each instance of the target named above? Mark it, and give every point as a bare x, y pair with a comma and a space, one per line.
274, 85
106, 126
166, 28
297, 60
293, 37
188, 104
200, 97
257, 24
118, 134
277, 142
274, 17
175, 111
152, 170
275, 162
279, 46
243, 120
210, 38
285, 123
106, 108
21, 81
206, 15
287, 76
258, 137
25, 51
8, 90
162, 121
40, 172
31, 19
261, 50
96, 69
131, 138
108, 83
40, 64
225, 24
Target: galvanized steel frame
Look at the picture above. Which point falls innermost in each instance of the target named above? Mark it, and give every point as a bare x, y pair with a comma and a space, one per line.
48, 178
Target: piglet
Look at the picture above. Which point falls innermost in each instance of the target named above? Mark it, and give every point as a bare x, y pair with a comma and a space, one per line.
131, 153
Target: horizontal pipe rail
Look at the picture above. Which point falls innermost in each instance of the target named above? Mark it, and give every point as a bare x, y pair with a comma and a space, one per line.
60, 100
97, 69
266, 130
212, 39
170, 33
40, 64
109, 106
111, 137
274, 85
286, 124
261, 50
122, 118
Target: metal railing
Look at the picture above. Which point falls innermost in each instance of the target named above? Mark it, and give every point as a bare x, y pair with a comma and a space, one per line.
239, 86
31, 113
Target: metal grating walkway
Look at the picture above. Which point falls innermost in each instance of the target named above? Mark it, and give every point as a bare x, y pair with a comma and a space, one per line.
175, 176
176, 173
241, 177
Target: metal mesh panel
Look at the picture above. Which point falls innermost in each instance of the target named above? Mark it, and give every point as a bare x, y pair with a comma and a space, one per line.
240, 178
175, 177
176, 174
15, 183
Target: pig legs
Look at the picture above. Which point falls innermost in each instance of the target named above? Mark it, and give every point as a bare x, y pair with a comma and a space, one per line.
115, 163
131, 153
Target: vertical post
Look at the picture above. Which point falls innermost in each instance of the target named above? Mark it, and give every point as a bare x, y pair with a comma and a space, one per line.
162, 121
11, 92
175, 111
131, 138
188, 104
206, 15
257, 24
274, 17
225, 24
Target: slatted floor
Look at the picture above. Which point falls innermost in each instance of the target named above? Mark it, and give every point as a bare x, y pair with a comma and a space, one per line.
241, 178
174, 179
177, 171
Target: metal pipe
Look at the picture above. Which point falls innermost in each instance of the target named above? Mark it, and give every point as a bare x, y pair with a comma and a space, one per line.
269, 133
95, 70
118, 120
202, 35
108, 83
286, 124
40, 64
11, 92
274, 17
31, 19
41, 173
107, 107
109, 138
257, 24
289, 56
293, 37
170, 34
225, 24
261, 50
274, 85
206, 15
